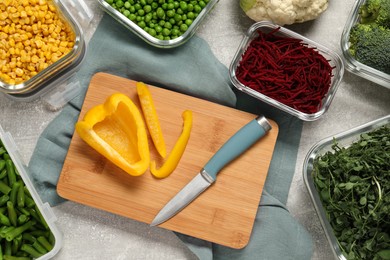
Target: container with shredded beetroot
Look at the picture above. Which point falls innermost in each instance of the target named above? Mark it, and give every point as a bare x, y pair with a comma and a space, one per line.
286, 70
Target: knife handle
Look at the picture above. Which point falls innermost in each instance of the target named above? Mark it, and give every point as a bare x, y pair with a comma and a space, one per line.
237, 144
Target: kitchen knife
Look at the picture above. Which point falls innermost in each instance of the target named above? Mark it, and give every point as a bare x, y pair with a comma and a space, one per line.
234, 147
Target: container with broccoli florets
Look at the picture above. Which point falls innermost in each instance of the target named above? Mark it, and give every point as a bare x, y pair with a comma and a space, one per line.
365, 39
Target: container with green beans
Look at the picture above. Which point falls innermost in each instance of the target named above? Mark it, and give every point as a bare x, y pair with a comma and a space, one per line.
161, 23
27, 229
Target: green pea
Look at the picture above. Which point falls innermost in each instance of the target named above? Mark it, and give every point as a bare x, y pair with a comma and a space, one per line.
168, 25
171, 13
190, 7
177, 17
154, 5
188, 22
202, 4
167, 38
175, 32
197, 8
126, 13
152, 32
119, 3
142, 2
190, 15
137, 6
132, 17
141, 12
141, 24
160, 13
148, 18
127, 5
110, 1
147, 8
158, 28
176, 4
166, 32
183, 27
172, 21
183, 6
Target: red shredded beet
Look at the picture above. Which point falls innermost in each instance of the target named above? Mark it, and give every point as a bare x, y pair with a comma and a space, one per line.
287, 70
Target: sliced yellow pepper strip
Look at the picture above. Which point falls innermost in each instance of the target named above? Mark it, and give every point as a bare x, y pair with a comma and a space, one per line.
117, 131
151, 118
174, 157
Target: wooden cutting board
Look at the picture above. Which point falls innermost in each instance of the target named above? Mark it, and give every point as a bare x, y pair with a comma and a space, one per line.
223, 214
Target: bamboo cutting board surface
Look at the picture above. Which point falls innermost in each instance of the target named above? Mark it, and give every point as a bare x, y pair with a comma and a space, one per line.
223, 214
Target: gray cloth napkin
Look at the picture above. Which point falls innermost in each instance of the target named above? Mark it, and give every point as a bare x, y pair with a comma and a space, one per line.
194, 70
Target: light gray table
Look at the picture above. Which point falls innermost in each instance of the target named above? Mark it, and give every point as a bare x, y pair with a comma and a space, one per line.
93, 234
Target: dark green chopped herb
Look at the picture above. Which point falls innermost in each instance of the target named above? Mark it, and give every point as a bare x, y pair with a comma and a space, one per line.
354, 186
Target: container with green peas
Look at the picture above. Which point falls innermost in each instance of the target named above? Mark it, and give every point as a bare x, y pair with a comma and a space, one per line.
27, 229
161, 23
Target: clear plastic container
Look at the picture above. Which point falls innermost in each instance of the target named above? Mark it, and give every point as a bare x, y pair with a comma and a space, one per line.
351, 64
344, 139
334, 60
61, 70
153, 40
44, 208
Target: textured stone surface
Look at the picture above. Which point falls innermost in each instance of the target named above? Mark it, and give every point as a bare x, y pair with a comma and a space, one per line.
93, 234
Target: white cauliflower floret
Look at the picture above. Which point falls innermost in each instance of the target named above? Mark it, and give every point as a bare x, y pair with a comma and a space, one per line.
283, 12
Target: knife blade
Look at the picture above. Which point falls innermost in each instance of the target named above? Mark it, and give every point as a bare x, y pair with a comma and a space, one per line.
231, 149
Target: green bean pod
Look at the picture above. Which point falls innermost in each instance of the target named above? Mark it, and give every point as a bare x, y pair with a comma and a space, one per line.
12, 213
3, 200
4, 188
44, 242
10, 257
4, 220
40, 248
30, 250
3, 173
10, 235
2, 164
14, 192
21, 197
9, 165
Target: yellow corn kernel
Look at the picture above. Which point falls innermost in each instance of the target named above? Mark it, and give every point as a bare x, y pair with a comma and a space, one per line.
19, 72
3, 16
34, 59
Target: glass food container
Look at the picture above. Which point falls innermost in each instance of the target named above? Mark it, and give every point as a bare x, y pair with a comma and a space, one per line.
343, 139
334, 61
49, 77
351, 64
136, 29
44, 219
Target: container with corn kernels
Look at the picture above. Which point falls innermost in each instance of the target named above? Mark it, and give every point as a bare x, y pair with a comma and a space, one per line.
40, 43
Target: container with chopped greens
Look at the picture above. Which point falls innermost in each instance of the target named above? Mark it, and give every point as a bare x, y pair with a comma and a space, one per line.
348, 179
27, 228
364, 41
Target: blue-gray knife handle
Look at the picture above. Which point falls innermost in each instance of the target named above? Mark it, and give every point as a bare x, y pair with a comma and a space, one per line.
237, 144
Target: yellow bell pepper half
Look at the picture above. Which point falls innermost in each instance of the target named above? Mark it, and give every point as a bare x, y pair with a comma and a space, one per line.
117, 131
178, 150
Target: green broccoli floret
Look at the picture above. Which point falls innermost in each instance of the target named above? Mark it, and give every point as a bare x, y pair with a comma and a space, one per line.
376, 11
369, 44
